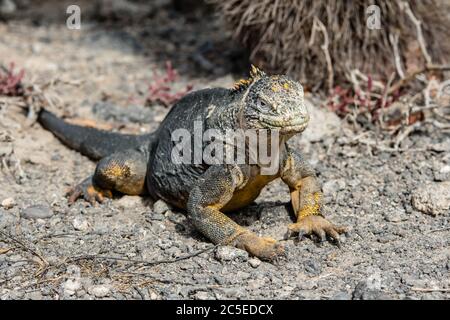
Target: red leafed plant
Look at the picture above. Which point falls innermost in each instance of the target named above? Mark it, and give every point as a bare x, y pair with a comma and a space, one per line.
10, 82
364, 99
160, 90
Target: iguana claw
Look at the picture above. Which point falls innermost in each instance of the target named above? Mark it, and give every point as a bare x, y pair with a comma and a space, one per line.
90, 192
318, 226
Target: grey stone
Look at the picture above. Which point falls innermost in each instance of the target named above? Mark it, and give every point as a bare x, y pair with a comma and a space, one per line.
227, 253
331, 187
341, 295
395, 214
312, 266
71, 285
254, 262
128, 202
37, 212
7, 219
35, 295
323, 124
442, 173
160, 207
7, 7
432, 198
365, 292
100, 291
202, 295
80, 223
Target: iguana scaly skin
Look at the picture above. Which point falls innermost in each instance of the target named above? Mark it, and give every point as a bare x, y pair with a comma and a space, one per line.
142, 164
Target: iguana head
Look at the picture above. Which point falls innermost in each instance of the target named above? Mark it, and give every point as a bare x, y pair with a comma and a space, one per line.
273, 102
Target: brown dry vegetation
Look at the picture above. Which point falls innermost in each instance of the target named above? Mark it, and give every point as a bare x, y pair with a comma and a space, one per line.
321, 42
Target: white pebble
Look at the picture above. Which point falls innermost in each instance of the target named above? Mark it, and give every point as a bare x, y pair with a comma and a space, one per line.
8, 203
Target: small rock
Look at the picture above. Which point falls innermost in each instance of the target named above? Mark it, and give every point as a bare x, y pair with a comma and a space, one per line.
323, 124
127, 202
363, 291
160, 207
432, 198
71, 286
164, 244
441, 147
7, 7
153, 295
442, 174
99, 291
331, 187
312, 266
395, 214
36, 295
254, 284
7, 219
227, 253
254, 262
342, 296
73, 270
8, 203
37, 212
201, 295
80, 224
36, 48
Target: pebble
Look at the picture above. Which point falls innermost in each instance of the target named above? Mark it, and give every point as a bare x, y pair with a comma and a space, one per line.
363, 291
160, 207
254, 262
8, 203
324, 124
227, 253
312, 266
395, 214
99, 291
7, 219
441, 147
432, 198
7, 7
442, 174
80, 224
37, 212
254, 284
35, 295
331, 187
342, 296
71, 286
201, 295
127, 202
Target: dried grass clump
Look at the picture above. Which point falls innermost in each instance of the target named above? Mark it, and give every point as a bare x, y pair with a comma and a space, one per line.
320, 42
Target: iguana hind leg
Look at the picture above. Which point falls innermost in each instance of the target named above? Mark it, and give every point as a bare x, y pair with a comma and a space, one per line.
123, 171
208, 196
306, 199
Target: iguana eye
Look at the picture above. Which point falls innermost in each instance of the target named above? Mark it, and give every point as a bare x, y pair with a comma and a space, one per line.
261, 104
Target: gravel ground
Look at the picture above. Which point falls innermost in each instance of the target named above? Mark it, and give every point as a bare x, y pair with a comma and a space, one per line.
396, 204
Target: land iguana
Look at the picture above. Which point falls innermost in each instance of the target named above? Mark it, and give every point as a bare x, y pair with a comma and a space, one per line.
141, 164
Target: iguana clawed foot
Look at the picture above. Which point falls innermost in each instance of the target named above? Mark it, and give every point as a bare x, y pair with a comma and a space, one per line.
317, 225
89, 191
264, 248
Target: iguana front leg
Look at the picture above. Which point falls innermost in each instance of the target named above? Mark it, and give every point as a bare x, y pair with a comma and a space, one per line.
208, 196
306, 198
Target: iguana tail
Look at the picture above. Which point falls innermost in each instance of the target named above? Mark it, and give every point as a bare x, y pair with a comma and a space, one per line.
91, 142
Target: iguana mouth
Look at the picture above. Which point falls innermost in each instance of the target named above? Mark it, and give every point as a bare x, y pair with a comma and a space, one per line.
295, 124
